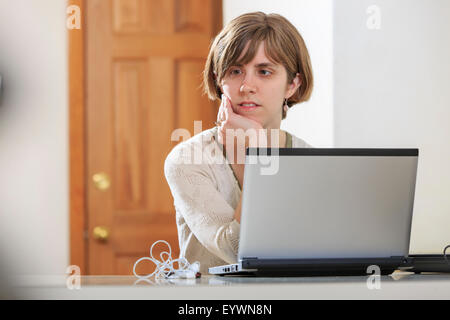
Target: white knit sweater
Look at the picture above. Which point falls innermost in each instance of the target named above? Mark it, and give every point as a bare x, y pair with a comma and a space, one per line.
206, 194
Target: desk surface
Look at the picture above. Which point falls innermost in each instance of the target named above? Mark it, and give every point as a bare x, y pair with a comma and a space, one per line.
399, 285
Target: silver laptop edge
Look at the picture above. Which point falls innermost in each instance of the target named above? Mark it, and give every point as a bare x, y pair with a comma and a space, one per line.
230, 268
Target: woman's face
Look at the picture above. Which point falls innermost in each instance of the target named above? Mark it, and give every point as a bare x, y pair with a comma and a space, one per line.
257, 90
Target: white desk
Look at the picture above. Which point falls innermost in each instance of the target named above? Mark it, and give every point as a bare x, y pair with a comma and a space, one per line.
400, 285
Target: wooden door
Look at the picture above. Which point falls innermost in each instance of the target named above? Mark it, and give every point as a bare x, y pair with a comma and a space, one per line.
144, 60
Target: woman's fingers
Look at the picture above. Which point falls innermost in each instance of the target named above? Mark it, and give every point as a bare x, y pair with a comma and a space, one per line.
221, 120
221, 114
231, 118
228, 108
225, 113
228, 118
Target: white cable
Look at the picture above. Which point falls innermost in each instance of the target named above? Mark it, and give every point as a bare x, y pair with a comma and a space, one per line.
164, 269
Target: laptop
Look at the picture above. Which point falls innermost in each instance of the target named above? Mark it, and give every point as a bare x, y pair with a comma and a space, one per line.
325, 211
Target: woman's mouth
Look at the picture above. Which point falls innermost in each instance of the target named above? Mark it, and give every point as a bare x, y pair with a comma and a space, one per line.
247, 106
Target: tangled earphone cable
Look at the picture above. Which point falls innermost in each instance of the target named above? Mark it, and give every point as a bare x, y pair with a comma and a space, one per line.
165, 269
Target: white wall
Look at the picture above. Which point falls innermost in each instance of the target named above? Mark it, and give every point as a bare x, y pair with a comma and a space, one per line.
34, 136
391, 90
312, 120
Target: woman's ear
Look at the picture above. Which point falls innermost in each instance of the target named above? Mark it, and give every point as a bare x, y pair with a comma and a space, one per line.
294, 85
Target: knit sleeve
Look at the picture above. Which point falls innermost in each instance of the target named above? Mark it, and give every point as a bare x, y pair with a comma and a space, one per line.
205, 210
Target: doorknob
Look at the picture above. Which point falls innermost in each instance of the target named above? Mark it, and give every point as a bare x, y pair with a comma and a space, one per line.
101, 181
101, 233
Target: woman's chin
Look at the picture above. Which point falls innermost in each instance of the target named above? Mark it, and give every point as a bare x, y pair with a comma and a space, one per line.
251, 117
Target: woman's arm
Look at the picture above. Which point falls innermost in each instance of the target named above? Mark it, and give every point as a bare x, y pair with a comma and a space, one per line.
206, 212
232, 120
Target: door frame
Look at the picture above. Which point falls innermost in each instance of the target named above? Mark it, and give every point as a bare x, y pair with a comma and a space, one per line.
77, 143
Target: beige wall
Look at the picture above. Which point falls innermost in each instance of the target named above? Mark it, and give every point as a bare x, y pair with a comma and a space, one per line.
33, 136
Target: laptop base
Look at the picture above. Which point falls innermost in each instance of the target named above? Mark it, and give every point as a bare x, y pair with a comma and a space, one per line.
430, 263
290, 273
313, 267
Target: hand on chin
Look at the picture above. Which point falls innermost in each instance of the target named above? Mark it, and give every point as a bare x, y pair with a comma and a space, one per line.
228, 119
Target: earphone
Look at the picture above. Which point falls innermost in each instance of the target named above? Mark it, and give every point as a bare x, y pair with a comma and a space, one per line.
165, 269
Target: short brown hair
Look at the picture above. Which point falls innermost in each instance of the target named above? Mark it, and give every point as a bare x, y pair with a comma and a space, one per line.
284, 45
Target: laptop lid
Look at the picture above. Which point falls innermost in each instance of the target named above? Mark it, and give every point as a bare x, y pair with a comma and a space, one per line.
326, 203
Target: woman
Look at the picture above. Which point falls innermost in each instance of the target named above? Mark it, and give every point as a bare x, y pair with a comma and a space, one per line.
259, 66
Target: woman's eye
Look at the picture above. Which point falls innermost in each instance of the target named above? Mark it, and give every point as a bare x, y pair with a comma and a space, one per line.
263, 72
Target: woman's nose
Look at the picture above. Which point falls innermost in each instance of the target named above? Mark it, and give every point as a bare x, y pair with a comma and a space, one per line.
248, 86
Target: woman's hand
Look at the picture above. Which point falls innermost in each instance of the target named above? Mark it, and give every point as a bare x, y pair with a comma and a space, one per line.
251, 135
